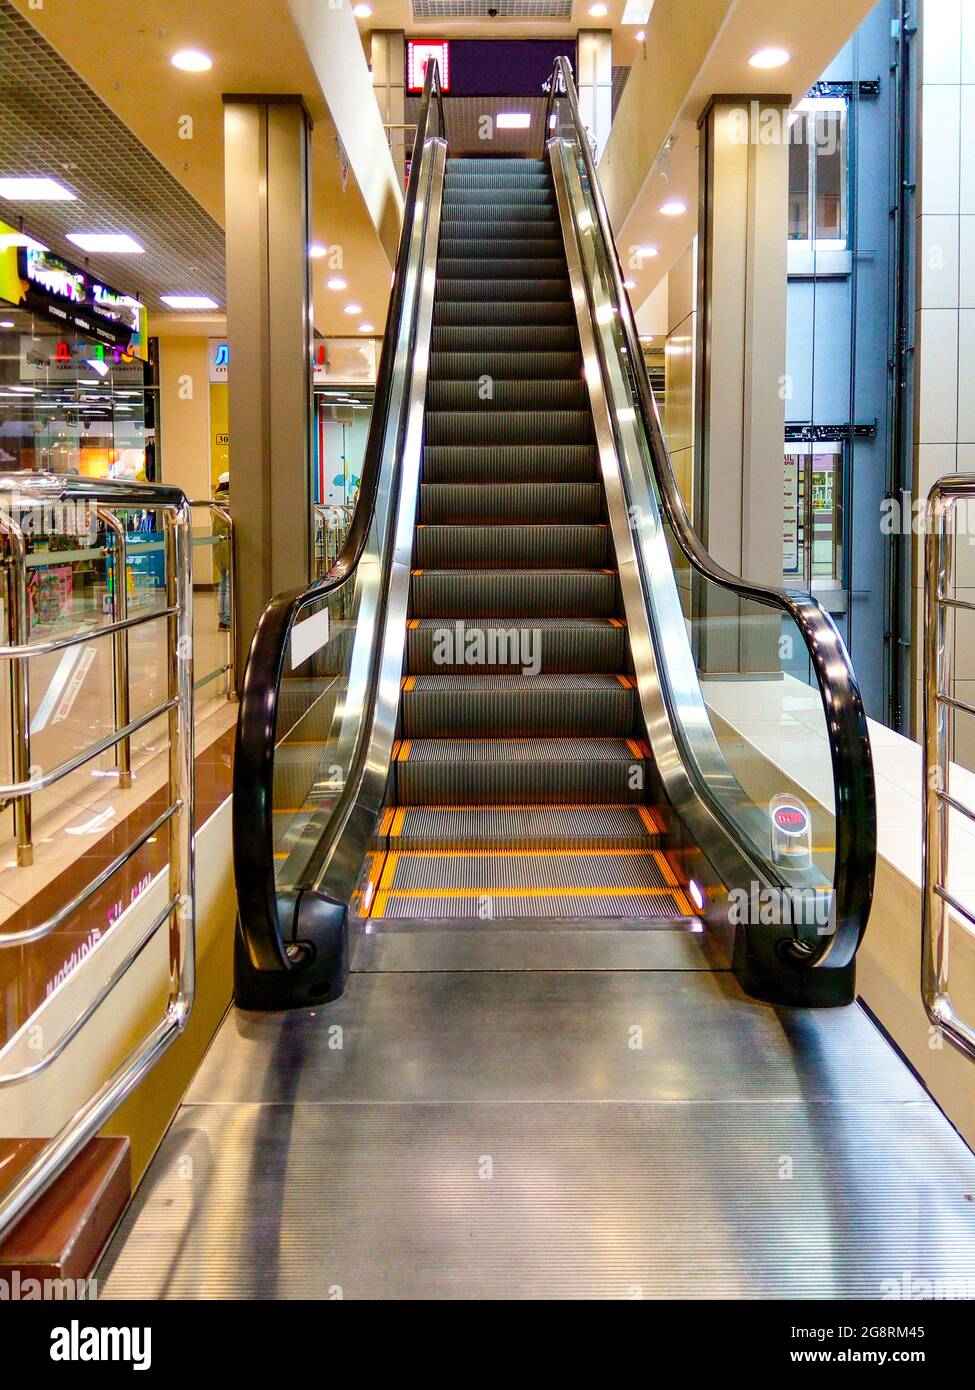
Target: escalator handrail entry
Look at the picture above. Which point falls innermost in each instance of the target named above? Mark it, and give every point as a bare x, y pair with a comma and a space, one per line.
846, 720
254, 750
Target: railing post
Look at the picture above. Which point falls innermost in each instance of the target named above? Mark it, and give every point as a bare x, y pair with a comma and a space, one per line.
18, 635
120, 642
179, 596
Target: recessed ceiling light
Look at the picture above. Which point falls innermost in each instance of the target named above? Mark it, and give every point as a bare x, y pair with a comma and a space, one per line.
647, 252
629, 284
6, 323
673, 208
30, 190
335, 283
116, 242
353, 308
362, 11
317, 251
641, 34
366, 328
192, 60
189, 301
597, 11
769, 58
513, 120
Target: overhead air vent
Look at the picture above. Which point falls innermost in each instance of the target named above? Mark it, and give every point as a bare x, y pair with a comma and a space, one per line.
484, 9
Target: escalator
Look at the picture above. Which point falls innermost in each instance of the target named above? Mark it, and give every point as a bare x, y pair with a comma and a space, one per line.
519, 780
525, 693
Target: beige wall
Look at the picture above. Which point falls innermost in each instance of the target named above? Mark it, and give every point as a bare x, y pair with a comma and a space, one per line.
184, 408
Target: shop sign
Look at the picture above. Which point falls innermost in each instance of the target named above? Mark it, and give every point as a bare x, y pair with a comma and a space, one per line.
219, 360
53, 361
54, 288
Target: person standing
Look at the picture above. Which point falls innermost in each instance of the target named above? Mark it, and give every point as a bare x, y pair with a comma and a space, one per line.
221, 551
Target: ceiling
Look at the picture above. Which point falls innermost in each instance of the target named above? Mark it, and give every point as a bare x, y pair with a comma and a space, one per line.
122, 54
52, 123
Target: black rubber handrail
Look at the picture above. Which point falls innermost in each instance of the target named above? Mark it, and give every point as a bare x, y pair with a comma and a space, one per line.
253, 828
846, 720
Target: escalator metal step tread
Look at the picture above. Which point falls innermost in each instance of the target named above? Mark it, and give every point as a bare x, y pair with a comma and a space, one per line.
486, 200
558, 644
499, 593
516, 463
492, 313
470, 907
487, 396
474, 247
495, 163
500, 827
518, 707
510, 267
558, 751
520, 235
507, 547
508, 427
498, 337
495, 178
464, 290
525, 871
519, 504
505, 366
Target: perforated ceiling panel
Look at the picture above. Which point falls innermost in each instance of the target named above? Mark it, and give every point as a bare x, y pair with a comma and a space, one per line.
501, 9
52, 124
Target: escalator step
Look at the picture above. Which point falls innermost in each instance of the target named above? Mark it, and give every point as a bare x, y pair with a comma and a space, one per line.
490, 216
492, 313
651, 908
512, 547
513, 338
505, 366
496, 178
490, 394
460, 225
522, 593
520, 290
486, 199
526, 871
509, 427
508, 267
458, 463
495, 163
545, 644
541, 827
451, 772
514, 503
474, 247
476, 706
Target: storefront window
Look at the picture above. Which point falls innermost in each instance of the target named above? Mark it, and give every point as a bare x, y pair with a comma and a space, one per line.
68, 406
812, 532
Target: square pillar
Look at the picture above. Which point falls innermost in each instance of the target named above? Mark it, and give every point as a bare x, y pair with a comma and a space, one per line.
269, 327
594, 83
388, 81
740, 434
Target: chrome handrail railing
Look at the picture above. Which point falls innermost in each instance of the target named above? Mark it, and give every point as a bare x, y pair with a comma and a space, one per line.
846, 721
24, 492
229, 668
937, 901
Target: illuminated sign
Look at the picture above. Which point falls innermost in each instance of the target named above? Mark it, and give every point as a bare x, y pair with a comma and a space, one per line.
56, 289
418, 54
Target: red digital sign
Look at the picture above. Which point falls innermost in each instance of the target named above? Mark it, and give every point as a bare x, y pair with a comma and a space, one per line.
418, 54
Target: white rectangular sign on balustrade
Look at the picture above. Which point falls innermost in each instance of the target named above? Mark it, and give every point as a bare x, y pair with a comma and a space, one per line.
308, 636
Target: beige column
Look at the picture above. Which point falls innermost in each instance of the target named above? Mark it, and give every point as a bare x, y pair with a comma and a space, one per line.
594, 82
388, 73
741, 354
269, 328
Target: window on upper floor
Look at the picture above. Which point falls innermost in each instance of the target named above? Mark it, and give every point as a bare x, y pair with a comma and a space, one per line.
818, 183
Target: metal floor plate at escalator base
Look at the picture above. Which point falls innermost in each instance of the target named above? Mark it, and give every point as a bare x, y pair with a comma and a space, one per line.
548, 1202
